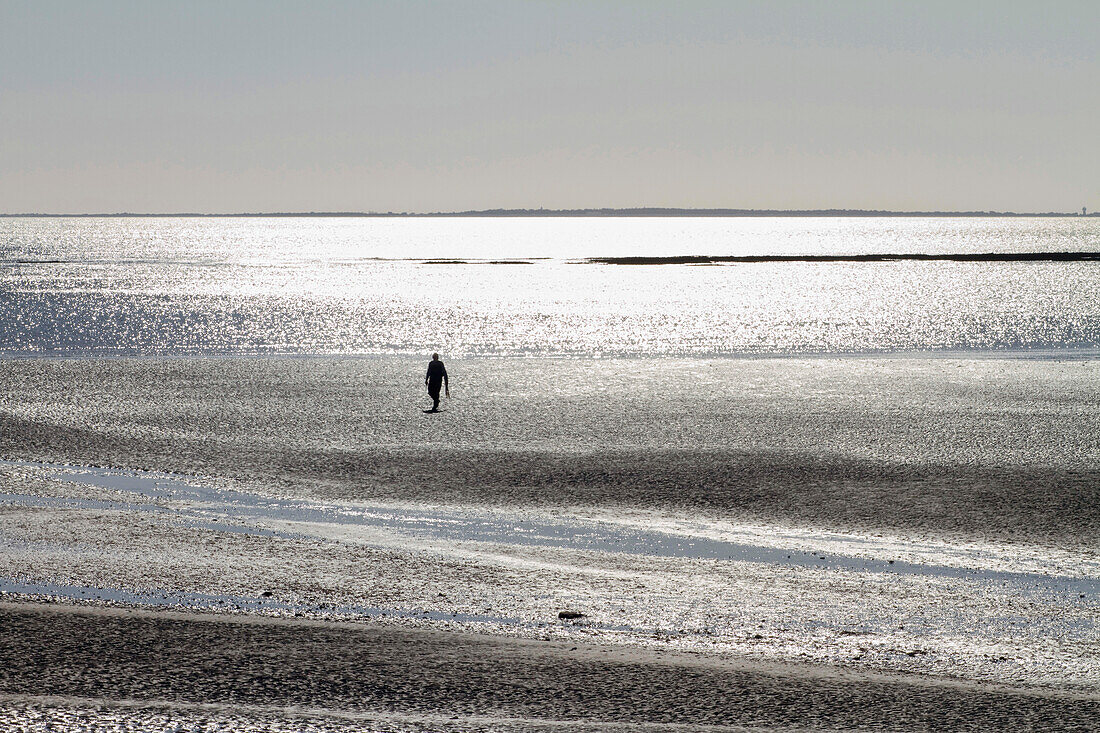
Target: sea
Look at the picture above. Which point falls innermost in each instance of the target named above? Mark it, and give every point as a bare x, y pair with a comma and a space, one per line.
533, 286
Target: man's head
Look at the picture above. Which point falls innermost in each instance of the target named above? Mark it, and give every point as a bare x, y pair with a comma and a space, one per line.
435, 357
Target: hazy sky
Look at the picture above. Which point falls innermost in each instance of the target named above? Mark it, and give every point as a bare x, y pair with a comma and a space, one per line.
440, 105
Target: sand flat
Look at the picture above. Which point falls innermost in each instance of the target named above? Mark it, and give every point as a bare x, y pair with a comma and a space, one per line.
998, 449
924, 523
87, 654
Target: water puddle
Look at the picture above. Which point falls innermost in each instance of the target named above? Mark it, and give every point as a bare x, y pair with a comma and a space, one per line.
192, 504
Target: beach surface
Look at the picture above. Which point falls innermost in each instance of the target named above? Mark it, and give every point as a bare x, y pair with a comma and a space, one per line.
1000, 449
162, 670
893, 543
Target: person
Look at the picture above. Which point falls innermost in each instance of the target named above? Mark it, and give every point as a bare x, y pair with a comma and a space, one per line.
436, 378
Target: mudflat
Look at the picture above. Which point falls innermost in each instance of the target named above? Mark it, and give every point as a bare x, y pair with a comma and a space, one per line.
357, 676
880, 543
1000, 450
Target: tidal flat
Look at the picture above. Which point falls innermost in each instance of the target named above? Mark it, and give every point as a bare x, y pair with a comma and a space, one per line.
932, 520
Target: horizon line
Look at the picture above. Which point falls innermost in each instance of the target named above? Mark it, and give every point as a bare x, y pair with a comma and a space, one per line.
626, 212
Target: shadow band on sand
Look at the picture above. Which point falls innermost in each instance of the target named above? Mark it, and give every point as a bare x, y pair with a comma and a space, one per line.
187, 658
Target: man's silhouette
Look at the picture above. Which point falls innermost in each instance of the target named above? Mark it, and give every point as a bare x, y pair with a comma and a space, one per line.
436, 378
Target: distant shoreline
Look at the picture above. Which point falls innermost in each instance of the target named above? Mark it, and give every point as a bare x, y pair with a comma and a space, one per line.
874, 257
561, 213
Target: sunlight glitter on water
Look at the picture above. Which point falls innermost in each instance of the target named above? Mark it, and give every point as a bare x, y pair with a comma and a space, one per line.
134, 286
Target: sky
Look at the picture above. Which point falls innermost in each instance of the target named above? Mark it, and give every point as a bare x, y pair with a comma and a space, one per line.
443, 105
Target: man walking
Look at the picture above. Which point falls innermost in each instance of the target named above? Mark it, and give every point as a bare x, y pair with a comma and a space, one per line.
436, 378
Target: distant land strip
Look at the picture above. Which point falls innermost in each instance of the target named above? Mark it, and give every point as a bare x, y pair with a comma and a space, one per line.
948, 257
595, 213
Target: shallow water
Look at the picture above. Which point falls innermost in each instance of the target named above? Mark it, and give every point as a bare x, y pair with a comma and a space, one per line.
329, 286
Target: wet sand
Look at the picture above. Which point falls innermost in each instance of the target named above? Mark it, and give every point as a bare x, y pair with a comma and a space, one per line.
923, 531
277, 670
1001, 450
